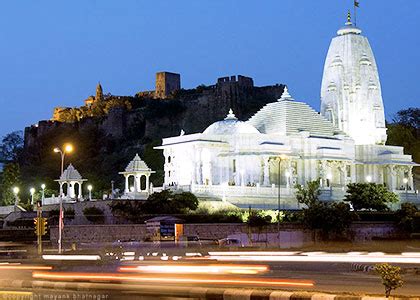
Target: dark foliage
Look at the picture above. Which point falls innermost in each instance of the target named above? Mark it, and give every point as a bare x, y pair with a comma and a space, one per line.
94, 215
369, 196
256, 219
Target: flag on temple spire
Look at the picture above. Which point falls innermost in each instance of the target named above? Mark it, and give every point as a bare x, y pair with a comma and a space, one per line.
356, 3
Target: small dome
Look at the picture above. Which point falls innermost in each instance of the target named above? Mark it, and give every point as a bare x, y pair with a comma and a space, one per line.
349, 28
230, 125
137, 165
70, 174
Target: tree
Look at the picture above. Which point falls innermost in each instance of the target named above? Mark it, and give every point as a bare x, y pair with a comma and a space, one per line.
10, 146
166, 202
406, 215
308, 194
10, 178
329, 218
369, 196
257, 219
391, 277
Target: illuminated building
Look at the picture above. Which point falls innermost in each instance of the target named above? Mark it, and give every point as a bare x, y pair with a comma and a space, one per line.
239, 161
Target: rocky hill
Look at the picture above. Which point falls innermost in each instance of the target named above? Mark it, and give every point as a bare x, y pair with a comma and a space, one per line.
105, 143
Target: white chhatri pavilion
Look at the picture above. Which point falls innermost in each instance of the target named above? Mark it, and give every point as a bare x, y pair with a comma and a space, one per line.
71, 177
137, 168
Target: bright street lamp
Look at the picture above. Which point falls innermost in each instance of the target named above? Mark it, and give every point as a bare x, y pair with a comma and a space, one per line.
43, 193
68, 148
369, 179
32, 191
16, 192
89, 187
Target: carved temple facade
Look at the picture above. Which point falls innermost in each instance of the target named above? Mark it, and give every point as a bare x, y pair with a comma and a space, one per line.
258, 162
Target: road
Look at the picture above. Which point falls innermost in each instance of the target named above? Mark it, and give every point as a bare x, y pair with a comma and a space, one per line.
163, 277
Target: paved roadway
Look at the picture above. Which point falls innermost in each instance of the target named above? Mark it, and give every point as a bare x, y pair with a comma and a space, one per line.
328, 277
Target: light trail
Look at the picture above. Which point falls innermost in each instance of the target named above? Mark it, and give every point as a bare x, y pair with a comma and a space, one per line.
351, 257
197, 269
24, 267
70, 257
172, 280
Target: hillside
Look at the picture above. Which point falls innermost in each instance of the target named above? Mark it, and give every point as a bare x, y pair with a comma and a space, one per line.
104, 144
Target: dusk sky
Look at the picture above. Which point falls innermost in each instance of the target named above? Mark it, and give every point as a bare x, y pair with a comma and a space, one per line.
54, 52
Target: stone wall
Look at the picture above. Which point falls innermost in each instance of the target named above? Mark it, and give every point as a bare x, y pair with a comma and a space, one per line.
291, 235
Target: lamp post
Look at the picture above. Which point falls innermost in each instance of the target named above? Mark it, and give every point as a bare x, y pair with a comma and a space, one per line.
32, 191
16, 192
90, 191
329, 177
405, 180
67, 148
42, 193
112, 189
280, 159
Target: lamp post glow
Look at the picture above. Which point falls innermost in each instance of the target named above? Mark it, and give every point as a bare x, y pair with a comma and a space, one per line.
67, 148
16, 192
369, 179
43, 193
89, 187
32, 191
405, 180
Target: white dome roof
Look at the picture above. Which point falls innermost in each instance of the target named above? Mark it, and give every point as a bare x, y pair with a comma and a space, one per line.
70, 174
230, 125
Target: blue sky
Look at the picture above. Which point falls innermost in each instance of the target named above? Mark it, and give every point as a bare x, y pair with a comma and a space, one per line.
53, 53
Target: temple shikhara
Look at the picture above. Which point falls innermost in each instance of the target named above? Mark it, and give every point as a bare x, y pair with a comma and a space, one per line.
251, 162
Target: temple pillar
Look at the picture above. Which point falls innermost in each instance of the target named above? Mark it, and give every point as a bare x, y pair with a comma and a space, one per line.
80, 195
147, 184
266, 172
410, 178
137, 187
127, 188
70, 190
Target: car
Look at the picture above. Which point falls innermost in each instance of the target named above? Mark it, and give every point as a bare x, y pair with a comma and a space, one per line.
230, 242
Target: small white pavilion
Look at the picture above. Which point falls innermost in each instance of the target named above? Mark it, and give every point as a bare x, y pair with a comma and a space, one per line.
71, 177
138, 169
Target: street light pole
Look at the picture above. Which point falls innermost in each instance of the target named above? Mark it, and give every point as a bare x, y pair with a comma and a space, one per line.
16, 192
67, 148
43, 194
281, 157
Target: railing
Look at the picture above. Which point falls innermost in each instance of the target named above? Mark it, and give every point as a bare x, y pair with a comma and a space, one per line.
237, 191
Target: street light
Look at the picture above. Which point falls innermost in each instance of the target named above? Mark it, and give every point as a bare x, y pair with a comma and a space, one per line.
43, 193
16, 192
405, 180
280, 159
369, 179
32, 191
67, 148
89, 187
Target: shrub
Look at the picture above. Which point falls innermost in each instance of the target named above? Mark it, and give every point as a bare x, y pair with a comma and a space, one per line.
94, 215
369, 196
257, 219
391, 277
406, 216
